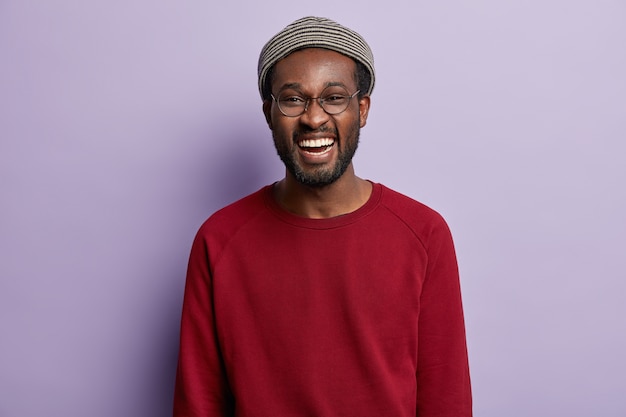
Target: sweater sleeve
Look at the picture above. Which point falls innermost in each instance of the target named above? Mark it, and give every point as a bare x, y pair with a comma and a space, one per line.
443, 381
201, 388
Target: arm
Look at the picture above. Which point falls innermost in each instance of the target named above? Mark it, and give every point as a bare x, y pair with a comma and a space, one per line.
443, 382
201, 385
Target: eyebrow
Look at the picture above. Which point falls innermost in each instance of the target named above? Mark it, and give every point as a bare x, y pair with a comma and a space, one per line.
295, 86
298, 86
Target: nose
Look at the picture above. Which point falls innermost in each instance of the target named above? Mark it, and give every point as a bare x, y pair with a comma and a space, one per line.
314, 115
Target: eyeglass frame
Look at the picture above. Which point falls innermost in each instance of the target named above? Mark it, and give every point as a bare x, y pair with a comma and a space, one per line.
319, 101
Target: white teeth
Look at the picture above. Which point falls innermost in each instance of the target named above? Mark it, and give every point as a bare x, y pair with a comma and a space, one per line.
315, 143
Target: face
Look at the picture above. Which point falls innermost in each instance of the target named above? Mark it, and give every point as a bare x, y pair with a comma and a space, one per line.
316, 147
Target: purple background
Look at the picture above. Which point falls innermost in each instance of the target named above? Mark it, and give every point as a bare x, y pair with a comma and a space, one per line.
123, 125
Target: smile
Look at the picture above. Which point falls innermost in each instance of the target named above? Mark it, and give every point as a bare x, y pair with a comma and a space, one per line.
316, 145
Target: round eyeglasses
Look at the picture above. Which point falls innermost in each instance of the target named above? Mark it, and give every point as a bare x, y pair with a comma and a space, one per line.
333, 100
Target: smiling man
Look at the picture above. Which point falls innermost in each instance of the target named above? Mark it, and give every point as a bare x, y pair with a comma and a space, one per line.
323, 294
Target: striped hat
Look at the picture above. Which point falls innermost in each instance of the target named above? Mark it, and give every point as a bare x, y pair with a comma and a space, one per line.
315, 32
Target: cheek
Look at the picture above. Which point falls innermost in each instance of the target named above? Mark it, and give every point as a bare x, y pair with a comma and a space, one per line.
282, 129
277, 121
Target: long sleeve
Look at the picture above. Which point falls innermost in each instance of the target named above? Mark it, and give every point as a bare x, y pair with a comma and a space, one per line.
201, 385
356, 315
443, 381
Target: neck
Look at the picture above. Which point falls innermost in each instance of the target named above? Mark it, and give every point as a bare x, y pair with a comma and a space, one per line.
343, 196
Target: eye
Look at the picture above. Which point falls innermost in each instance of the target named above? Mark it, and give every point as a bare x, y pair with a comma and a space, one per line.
334, 99
292, 100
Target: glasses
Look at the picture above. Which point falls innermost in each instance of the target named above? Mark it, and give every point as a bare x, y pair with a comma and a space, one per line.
333, 100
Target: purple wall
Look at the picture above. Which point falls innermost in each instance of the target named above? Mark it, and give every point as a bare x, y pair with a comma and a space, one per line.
124, 125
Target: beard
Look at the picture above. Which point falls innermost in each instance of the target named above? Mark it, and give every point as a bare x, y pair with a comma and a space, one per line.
320, 176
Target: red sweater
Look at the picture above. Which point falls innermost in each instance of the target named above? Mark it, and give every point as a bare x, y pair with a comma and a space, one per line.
358, 315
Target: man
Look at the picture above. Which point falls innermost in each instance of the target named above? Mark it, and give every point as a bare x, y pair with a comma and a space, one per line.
323, 294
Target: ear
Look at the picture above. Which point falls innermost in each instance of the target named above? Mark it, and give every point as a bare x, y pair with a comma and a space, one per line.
267, 111
364, 109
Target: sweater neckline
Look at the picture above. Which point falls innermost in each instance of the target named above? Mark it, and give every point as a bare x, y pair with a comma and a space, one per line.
329, 223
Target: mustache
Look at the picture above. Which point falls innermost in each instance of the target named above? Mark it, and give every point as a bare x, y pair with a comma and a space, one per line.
322, 130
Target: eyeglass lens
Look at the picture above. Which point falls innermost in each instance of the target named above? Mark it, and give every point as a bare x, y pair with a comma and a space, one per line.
333, 99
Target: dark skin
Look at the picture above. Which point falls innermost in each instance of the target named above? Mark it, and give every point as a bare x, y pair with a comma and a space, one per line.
308, 72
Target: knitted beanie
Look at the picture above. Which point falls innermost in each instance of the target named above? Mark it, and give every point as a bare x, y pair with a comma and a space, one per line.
315, 32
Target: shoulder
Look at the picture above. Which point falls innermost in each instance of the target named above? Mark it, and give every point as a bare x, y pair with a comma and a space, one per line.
225, 222
407, 208
423, 221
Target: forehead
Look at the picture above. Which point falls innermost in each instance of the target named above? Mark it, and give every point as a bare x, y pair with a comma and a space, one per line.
314, 68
